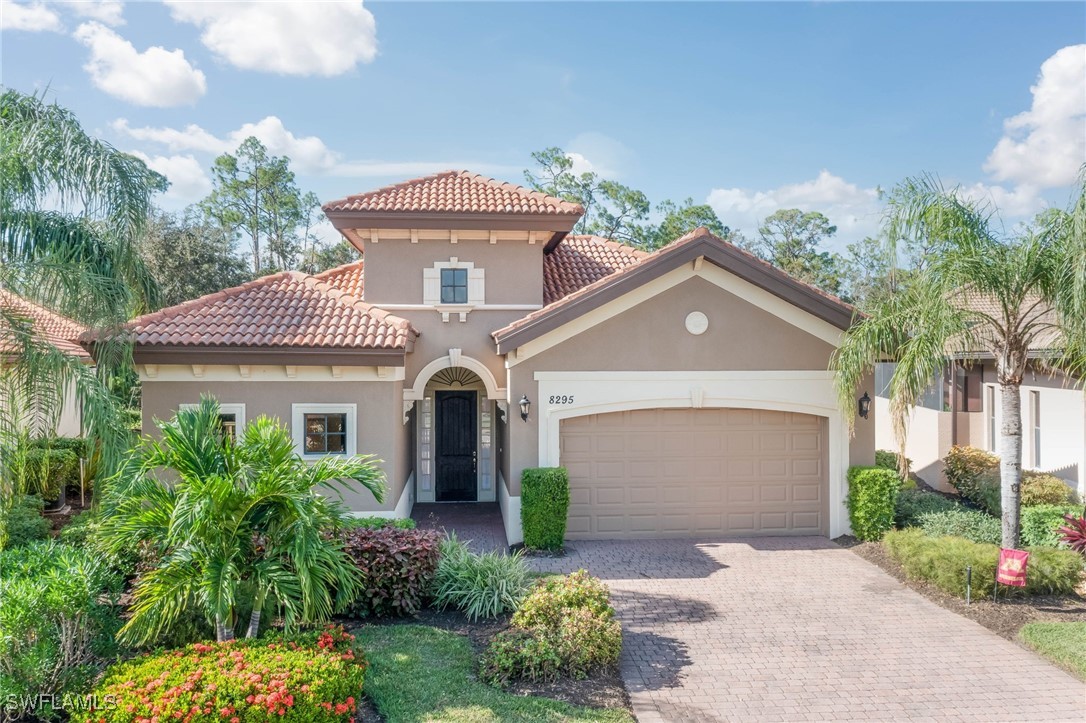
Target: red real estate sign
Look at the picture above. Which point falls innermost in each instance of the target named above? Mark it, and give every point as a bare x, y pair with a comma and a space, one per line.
1012, 567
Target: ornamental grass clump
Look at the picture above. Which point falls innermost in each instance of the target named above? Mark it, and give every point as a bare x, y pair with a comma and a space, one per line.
481, 585
316, 677
564, 627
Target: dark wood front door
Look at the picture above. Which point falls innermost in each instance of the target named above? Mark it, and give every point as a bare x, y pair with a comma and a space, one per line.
456, 453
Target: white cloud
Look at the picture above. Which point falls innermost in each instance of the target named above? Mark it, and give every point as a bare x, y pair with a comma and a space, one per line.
308, 154
855, 211
188, 180
598, 153
156, 77
32, 17
1046, 145
110, 12
290, 38
1018, 202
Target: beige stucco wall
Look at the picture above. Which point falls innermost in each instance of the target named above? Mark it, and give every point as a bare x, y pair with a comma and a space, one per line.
393, 269
380, 416
652, 337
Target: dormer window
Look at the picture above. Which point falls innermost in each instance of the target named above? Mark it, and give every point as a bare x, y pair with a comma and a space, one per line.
454, 286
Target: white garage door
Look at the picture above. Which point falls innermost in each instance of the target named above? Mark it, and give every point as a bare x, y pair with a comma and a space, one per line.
683, 472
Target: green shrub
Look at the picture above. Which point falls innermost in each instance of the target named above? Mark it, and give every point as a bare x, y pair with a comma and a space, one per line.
544, 506
58, 614
373, 523
565, 626
891, 460
973, 525
1044, 489
78, 446
50, 471
964, 467
942, 561
482, 586
23, 523
83, 531
1041, 523
911, 504
397, 568
313, 677
872, 495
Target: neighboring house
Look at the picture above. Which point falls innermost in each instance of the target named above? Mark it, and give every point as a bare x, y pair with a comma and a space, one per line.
60, 332
686, 391
963, 407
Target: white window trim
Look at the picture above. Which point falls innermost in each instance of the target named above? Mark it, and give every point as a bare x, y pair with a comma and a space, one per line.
431, 285
297, 415
237, 409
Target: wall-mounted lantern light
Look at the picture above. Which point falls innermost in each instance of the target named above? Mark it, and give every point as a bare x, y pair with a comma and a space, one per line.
525, 407
864, 404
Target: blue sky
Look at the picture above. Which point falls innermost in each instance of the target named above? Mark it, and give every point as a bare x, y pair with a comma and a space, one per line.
751, 107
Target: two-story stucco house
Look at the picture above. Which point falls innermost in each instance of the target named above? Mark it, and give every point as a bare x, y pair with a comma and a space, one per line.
686, 390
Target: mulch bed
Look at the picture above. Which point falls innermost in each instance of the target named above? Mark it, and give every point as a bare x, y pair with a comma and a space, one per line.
604, 689
1004, 618
59, 520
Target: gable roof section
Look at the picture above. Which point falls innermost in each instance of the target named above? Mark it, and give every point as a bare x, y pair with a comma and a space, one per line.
697, 244
286, 313
456, 192
582, 260
348, 278
59, 331
1048, 340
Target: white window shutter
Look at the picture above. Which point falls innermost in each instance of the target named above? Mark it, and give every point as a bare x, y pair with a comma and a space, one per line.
431, 286
476, 286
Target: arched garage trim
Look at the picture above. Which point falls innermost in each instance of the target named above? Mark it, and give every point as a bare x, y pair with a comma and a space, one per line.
563, 395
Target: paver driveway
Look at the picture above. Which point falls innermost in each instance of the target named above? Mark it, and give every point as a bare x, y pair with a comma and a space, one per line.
793, 629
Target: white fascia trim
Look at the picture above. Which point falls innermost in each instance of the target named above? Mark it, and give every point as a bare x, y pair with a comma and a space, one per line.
729, 282
270, 373
237, 409
297, 418
801, 392
418, 389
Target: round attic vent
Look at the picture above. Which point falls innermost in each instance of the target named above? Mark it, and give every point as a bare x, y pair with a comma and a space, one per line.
697, 322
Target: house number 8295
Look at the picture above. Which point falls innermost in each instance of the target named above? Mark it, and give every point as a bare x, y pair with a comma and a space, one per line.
561, 399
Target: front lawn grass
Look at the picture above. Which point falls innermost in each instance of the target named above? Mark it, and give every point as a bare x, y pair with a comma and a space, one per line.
1062, 643
418, 673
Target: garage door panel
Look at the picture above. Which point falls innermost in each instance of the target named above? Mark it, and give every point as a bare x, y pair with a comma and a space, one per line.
675, 472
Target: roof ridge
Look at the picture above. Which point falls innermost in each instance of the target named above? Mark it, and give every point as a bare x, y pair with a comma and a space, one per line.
550, 200
392, 187
337, 269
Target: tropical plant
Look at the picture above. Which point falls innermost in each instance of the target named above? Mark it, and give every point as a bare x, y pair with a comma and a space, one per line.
71, 207
982, 292
1073, 534
58, 614
481, 585
240, 526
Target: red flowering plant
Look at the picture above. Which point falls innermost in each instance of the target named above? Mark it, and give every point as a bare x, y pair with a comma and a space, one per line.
1073, 534
315, 676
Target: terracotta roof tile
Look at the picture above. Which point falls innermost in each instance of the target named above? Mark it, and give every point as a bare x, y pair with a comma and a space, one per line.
288, 309
581, 260
348, 278
456, 192
1047, 338
60, 331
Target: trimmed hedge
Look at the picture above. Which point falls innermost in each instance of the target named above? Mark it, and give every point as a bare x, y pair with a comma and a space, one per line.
975, 474
942, 561
891, 460
544, 505
1041, 523
23, 523
374, 523
397, 565
1044, 489
912, 504
973, 525
872, 496
50, 471
308, 678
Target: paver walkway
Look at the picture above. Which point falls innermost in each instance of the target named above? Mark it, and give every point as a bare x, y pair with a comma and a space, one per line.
477, 523
793, 629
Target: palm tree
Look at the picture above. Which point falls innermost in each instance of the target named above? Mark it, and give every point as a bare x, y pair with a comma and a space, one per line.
1032, 285
239, 525
71, 207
